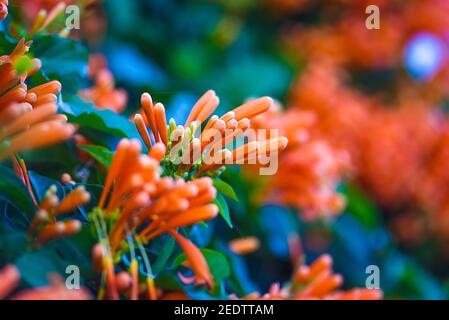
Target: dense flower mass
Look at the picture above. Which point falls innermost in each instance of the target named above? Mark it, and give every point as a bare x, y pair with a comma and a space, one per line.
45, 227
374, 133
316, 282
27, 115
140, 204
380, 95
359, 46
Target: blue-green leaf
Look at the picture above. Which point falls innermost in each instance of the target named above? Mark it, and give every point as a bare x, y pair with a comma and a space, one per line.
165, 252
62, 59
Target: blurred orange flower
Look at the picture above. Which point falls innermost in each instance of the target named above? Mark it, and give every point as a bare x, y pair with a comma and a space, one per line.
309, 169
103, 94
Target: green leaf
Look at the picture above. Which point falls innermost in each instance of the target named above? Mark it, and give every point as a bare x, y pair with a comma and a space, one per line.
217, 262
62, 59
14, 190
107, 121
223, 209
164, 255
102, 154
37, 265
225, 189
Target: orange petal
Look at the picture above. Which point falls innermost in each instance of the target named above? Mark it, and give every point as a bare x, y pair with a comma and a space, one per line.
199, 106
161, 122
253, 108
195, 259
114, 169
74, 199
148, 109
188, 217
141, 128
52, 87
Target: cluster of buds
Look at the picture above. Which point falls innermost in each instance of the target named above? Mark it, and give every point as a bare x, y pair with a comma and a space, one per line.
192, 152
28, 118
103, 94
45, 227
347, 41
316, 282
138, 205
57, 290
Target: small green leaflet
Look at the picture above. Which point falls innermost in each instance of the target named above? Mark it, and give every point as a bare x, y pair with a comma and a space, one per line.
102, 154
165, 253
225, 189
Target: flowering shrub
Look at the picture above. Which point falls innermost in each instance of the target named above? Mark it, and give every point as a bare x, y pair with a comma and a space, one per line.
126, 172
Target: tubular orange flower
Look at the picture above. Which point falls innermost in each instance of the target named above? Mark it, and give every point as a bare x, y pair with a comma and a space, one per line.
103, 94
191, 153
195, 261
